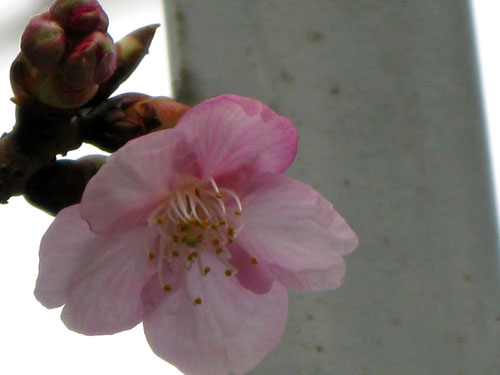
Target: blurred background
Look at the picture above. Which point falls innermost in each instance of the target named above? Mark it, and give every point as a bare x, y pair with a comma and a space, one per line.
34, 338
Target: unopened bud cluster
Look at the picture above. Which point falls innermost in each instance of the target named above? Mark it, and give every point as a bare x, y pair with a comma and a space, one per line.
66, 53
62, 81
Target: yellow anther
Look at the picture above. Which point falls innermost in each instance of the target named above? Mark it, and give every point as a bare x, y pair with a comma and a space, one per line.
215, 241
159, 220
219, 250
254, 261
214, 226
222, 222
228, 272
206, 270
167, 288
230, 239
197, 301
175, 238
193, 220
230, 231
151, 255
237, 212
192, 255
218, 195
175, 253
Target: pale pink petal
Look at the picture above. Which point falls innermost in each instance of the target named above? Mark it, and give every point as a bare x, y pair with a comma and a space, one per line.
230, 132
287, 223
98, 278
232, 329
256, 277
314, 279
62, 252
134, 180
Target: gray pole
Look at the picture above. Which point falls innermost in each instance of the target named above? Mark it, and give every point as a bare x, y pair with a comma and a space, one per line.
385, 96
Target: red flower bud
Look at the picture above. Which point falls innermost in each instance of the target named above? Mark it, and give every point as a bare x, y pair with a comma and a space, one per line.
59, 93
79, 15
92, 61
43, 43
25, 80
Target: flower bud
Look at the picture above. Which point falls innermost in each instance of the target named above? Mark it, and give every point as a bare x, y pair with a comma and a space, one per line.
79, 15
43, 43
92, 61
61, 184
116, 121
24, 79
156, 113
57, 92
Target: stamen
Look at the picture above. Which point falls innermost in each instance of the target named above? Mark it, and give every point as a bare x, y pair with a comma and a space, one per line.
193, 218
214, 185
179, 216
199, 202
234, 196
254, 261
182, 204
191, 256
197, 301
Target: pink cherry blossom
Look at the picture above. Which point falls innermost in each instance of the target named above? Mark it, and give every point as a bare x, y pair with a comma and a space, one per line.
196, 232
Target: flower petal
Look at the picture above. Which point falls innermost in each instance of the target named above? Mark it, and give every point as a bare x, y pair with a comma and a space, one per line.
229, 132
231, 330
99, 278
69, 233
134, 180
289, 224
256, 277
314, 279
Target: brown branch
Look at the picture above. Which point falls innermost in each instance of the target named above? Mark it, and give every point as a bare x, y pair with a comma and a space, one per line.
43, 132
38, 136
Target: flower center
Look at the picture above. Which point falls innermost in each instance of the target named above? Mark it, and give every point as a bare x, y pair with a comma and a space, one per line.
195, 217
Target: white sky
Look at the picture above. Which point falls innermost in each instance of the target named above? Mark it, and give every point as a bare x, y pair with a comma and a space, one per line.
487, 32
34, 340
